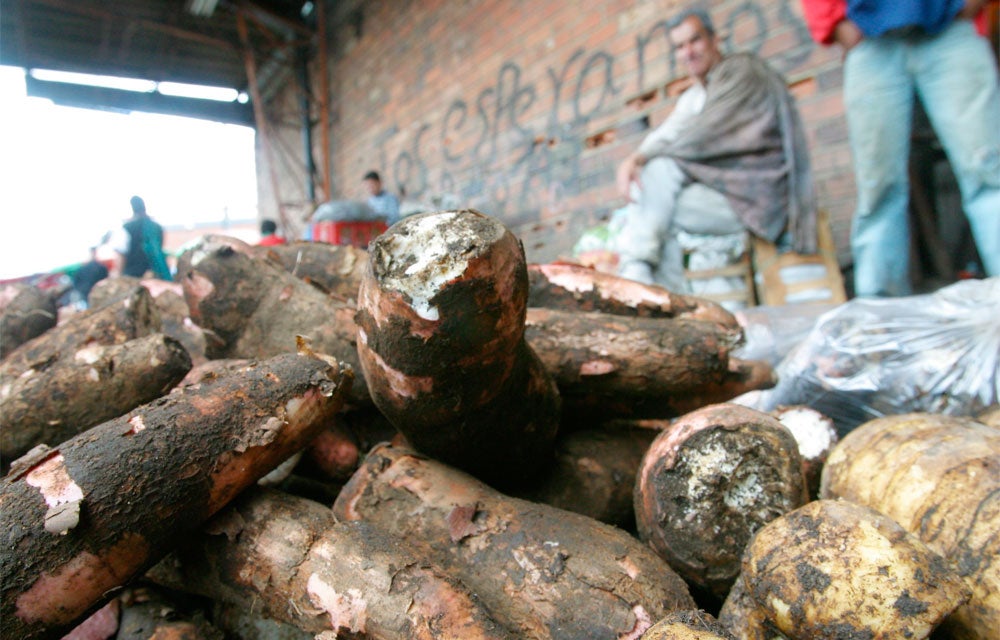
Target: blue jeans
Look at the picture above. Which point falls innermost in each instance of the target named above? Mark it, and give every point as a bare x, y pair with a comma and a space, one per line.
955, 77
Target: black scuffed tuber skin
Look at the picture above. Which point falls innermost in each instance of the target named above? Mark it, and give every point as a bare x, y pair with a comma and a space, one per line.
441, 313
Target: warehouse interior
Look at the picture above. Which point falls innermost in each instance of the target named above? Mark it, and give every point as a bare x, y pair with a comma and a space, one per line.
465, 424
286, 62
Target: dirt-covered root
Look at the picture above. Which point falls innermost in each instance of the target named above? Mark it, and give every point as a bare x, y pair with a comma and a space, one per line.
175, 317
709, 482
53, 403
441, 341
80, 521
939, 477
835, 569
593, 473
289, 559
687, 625
26, 312
253, 308
744, 620
335, 269
133, 316
573, 287
542, 572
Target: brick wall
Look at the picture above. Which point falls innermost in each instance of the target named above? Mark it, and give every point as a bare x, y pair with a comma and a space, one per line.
524, 108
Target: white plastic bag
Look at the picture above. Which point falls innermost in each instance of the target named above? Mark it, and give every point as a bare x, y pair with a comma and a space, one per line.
867, 358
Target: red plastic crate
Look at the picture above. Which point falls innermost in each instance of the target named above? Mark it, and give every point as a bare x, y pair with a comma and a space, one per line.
355, 233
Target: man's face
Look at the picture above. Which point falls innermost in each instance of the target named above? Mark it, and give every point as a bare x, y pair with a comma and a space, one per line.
695, 49
373, 187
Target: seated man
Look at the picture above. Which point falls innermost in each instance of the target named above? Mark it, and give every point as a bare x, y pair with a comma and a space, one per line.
385, 204
730, 157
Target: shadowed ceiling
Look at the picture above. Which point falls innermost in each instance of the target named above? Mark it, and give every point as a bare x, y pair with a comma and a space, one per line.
186, 41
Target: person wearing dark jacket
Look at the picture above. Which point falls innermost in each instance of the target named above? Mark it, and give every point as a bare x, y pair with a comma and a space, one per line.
140, 247
89, 274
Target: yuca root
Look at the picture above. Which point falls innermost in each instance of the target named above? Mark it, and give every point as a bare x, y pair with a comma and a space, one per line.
570, 287
289, 559
133, 316
252, 308
54, 403
709, 482
83, 519
441, 342
939, 477
542, 572
26, 312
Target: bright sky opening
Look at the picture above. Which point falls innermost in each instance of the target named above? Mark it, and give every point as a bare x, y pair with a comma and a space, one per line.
66, 175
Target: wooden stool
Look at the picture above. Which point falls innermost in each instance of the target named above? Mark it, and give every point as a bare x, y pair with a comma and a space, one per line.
774, 290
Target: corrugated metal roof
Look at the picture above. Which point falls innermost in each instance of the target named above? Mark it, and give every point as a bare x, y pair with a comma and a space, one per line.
159, 40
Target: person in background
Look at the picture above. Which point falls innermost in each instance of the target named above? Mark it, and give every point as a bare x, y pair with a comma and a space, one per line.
84, 279
269, 234
139, 245
730, 157
385, 204
891, 50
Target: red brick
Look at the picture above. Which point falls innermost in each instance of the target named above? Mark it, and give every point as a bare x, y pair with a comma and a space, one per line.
421, 56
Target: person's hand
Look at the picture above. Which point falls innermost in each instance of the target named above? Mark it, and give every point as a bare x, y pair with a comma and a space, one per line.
971, 9
628, 172
847, 34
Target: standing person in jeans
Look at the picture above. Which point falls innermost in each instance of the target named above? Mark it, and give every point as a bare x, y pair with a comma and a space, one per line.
892, 49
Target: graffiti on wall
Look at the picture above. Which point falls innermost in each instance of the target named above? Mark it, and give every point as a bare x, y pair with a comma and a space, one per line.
514, 165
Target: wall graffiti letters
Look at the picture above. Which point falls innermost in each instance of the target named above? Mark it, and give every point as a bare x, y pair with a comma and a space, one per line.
500, 152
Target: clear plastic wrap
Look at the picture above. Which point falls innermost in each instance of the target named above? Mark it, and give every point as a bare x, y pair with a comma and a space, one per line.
771, 332
867, 358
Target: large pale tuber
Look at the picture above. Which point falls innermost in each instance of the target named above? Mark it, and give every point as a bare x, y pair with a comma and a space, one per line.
834, 569
939, 477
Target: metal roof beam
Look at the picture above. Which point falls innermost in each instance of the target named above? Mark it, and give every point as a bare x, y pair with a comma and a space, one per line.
89, 97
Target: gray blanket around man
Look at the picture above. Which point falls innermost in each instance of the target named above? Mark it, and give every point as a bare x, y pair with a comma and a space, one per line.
748, 144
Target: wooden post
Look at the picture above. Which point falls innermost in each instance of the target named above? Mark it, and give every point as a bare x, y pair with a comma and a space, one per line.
258, 112
324, 98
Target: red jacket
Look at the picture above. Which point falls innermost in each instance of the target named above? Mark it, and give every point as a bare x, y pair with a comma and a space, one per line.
822, 17
271, 241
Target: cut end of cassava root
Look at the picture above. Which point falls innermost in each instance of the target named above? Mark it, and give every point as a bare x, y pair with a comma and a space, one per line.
427, 251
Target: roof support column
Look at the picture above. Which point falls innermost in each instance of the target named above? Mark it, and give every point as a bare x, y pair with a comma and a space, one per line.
259, 116
305, 92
